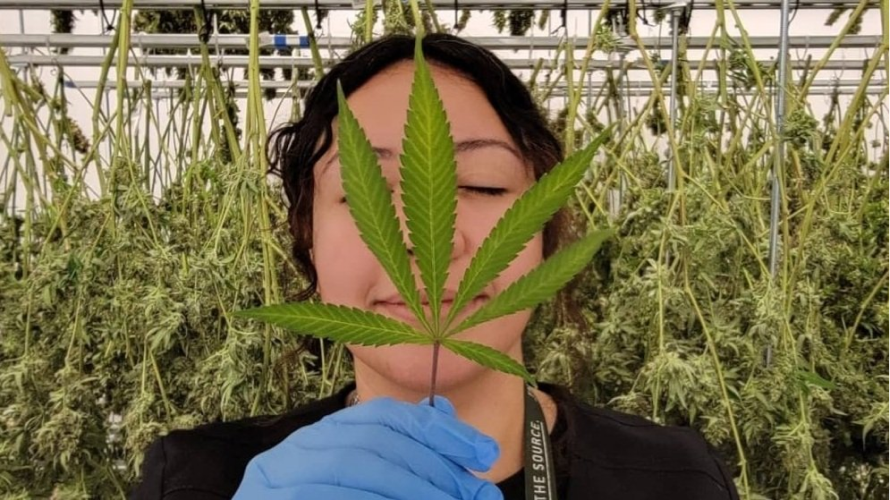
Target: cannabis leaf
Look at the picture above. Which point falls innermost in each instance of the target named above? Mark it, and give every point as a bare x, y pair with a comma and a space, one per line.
429, 197
340, 323
541, 283
522, 221
429, 184
370, 203
486, 356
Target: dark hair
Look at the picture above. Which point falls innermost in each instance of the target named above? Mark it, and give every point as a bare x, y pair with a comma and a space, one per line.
294, 148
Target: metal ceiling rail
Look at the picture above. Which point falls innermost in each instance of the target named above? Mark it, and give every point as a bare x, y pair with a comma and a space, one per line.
162, 89
229, 42
232, 61
562, 92
306, 84
439, 4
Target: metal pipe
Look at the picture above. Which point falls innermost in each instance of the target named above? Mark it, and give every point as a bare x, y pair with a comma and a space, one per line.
634, 90
779, 161
21, 26
675, 11
183, 41
276, 61
242, 94
439, 4
622, 124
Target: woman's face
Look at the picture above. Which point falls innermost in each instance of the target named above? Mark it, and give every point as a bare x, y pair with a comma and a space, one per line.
491, 175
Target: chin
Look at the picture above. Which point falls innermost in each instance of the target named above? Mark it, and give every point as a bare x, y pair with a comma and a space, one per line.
409, 367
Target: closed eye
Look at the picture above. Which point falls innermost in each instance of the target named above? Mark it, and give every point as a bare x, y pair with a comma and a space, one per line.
484, 190
480, 190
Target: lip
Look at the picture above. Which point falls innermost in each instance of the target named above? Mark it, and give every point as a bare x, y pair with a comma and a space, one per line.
400, 310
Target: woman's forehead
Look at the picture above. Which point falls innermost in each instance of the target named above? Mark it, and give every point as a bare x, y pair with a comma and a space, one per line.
329, 164
381, 107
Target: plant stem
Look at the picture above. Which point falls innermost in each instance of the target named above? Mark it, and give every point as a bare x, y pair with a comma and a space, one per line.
313, 44
369, 20
418, 19
718, 368
884, 31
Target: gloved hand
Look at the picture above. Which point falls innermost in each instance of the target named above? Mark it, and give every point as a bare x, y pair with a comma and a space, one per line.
379, 450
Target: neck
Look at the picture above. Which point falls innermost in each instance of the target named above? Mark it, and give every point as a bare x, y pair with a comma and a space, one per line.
493, 403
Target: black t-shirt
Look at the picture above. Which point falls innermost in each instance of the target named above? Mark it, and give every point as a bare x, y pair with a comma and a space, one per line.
599, 454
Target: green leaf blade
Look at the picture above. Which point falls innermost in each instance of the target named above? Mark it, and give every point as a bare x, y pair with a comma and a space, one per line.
487, 357
338, 323
541, 283
429, 183
370, 203
522, 221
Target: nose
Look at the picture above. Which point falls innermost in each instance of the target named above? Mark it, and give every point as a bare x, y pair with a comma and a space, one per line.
459, 243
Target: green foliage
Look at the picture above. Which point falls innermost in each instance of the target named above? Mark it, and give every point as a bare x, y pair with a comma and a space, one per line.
343, 324
122, 334
117, 296
521, 21
397, 19
800, 128
540, 284
836, 14
786, 375
62, 21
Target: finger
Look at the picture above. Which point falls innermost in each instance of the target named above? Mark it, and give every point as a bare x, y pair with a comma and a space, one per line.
358, 469
401, 451
430, 426
442, 404
310, 492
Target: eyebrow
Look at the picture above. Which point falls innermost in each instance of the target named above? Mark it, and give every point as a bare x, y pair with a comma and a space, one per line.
459, 147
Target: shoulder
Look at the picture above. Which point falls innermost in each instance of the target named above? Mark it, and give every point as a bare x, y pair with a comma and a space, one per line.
208, 462
637, 453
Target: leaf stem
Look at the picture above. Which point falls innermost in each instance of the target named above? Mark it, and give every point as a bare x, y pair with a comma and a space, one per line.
434, 372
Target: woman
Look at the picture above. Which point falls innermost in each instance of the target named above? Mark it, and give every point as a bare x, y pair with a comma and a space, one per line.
373, 440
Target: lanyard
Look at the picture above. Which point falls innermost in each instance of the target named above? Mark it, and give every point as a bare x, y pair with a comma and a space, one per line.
540, 483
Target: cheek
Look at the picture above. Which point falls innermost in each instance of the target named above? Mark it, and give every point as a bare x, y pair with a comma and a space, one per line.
343, 262
475, 225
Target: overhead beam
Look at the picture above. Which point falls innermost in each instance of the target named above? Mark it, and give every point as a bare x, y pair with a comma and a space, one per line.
439, 4
233, 61
307, 84
819, 88
229, 42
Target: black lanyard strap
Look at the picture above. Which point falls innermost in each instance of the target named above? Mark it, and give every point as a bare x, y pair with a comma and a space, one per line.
540, 483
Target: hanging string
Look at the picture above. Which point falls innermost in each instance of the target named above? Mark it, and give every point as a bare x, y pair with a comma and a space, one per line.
456, 10
204, 34
108, 25
794, 11
622, 13
686, 18
317, 16
641, 14
563, 12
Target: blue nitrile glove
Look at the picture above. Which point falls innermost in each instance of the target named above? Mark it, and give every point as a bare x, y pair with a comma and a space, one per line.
379, 450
